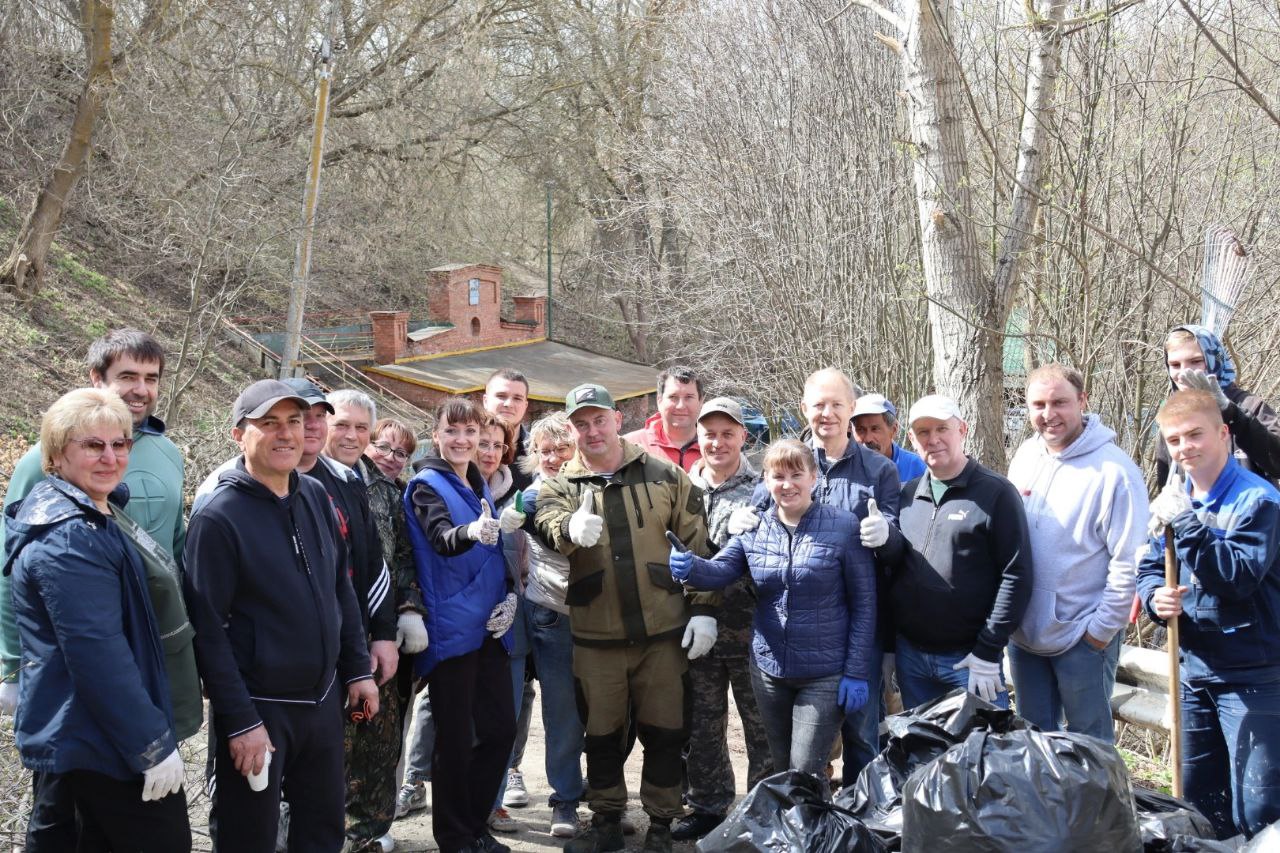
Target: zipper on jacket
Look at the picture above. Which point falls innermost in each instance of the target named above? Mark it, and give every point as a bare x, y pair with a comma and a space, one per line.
786, 586
635, 506
311, 584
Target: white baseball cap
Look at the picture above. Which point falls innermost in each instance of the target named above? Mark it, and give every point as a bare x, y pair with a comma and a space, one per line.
934, 406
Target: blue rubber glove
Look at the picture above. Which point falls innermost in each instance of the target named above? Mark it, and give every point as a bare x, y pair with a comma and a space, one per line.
681, 564
852, 694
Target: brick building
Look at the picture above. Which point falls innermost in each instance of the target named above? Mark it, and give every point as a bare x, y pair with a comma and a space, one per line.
467, 340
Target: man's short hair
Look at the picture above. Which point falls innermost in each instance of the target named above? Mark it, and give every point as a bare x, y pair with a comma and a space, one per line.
357, 399
510, 374
836, 373
1056, 370
1180, 404
105, 350
681, 374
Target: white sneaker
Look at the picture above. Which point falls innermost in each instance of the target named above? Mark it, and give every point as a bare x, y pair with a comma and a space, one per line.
387, 843
516, 795
412, 798
500, 821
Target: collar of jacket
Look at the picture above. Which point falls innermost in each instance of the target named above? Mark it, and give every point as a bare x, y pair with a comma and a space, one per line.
744, 473
924, 492
150, 426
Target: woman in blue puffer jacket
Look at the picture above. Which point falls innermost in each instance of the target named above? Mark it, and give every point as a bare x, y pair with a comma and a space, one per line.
815, 616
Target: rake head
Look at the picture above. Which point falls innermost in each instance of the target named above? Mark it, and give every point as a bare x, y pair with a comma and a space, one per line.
1227, 267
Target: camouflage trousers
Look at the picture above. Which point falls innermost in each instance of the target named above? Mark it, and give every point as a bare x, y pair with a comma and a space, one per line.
371, 753
708, 765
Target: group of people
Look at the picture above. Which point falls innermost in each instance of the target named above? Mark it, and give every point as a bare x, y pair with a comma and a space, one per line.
325, 589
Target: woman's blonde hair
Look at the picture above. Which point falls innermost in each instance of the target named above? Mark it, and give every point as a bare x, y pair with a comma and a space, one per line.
80, 409
789, 454
555, 427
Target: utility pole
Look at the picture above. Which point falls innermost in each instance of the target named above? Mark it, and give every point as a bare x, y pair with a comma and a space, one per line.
548, 318
289, 364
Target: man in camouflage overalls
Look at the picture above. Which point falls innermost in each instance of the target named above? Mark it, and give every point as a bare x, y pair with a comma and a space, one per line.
727, 481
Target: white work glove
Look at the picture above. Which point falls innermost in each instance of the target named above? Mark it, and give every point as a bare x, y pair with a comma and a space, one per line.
485, 528
511, 520
874, 529
502, 616
984, 677
411, 633
8, 697
1172, 501
1197, 380
164, 779
699, 635
743, 520
585, 526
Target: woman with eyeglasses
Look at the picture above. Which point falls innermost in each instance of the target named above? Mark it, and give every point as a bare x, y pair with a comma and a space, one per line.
95, 721
392, 447
546, 619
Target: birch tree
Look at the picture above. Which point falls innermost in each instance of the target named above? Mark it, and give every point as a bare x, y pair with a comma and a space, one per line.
969, 300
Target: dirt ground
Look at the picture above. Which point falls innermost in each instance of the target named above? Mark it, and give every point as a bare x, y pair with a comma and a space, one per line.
413, 833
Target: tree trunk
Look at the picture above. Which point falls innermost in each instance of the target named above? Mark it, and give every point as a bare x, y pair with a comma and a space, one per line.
968, 307
23, 272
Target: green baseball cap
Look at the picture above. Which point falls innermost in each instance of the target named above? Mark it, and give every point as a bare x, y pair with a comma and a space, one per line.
588, 396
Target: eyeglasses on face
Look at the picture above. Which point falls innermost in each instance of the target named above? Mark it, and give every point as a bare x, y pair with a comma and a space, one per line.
387, 450
492, 447
97, 447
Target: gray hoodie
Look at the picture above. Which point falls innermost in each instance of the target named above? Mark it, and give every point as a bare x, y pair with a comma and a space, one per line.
1087, 511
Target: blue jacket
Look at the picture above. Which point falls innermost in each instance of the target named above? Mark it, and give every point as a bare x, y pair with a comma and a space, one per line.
909, 465
93, 693
459, 590
1228, 547
816, 611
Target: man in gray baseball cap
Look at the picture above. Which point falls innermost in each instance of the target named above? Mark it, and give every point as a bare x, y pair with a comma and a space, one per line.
259, 398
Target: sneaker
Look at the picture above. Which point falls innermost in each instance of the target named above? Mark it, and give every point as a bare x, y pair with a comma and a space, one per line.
386, 843
516, 796
628, 825
501, 821
604, 835
564, 820
658, 838
489, 844
412, 798
694, 826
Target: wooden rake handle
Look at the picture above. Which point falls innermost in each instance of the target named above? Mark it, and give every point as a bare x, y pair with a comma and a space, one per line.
1175, 683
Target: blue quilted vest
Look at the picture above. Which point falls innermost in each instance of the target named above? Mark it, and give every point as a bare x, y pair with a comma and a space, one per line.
459, 592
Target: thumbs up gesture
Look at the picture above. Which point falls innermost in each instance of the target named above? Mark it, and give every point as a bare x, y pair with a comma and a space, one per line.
584, 525
874, 529
512, 518
485, 528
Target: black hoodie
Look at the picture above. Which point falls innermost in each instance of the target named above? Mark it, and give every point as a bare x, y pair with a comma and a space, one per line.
268, 593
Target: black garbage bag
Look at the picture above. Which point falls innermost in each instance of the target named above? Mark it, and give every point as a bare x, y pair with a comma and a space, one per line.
1162, 818
915, 738
790, 812
1023, 791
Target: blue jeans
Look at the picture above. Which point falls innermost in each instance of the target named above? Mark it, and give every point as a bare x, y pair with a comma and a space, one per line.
801, 719
1076, 683
1231, 753
422, 741
925, 676
551, 645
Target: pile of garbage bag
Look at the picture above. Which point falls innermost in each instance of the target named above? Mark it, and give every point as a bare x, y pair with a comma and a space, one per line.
959, 774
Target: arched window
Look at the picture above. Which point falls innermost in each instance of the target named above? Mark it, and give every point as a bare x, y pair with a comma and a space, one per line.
475, 327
